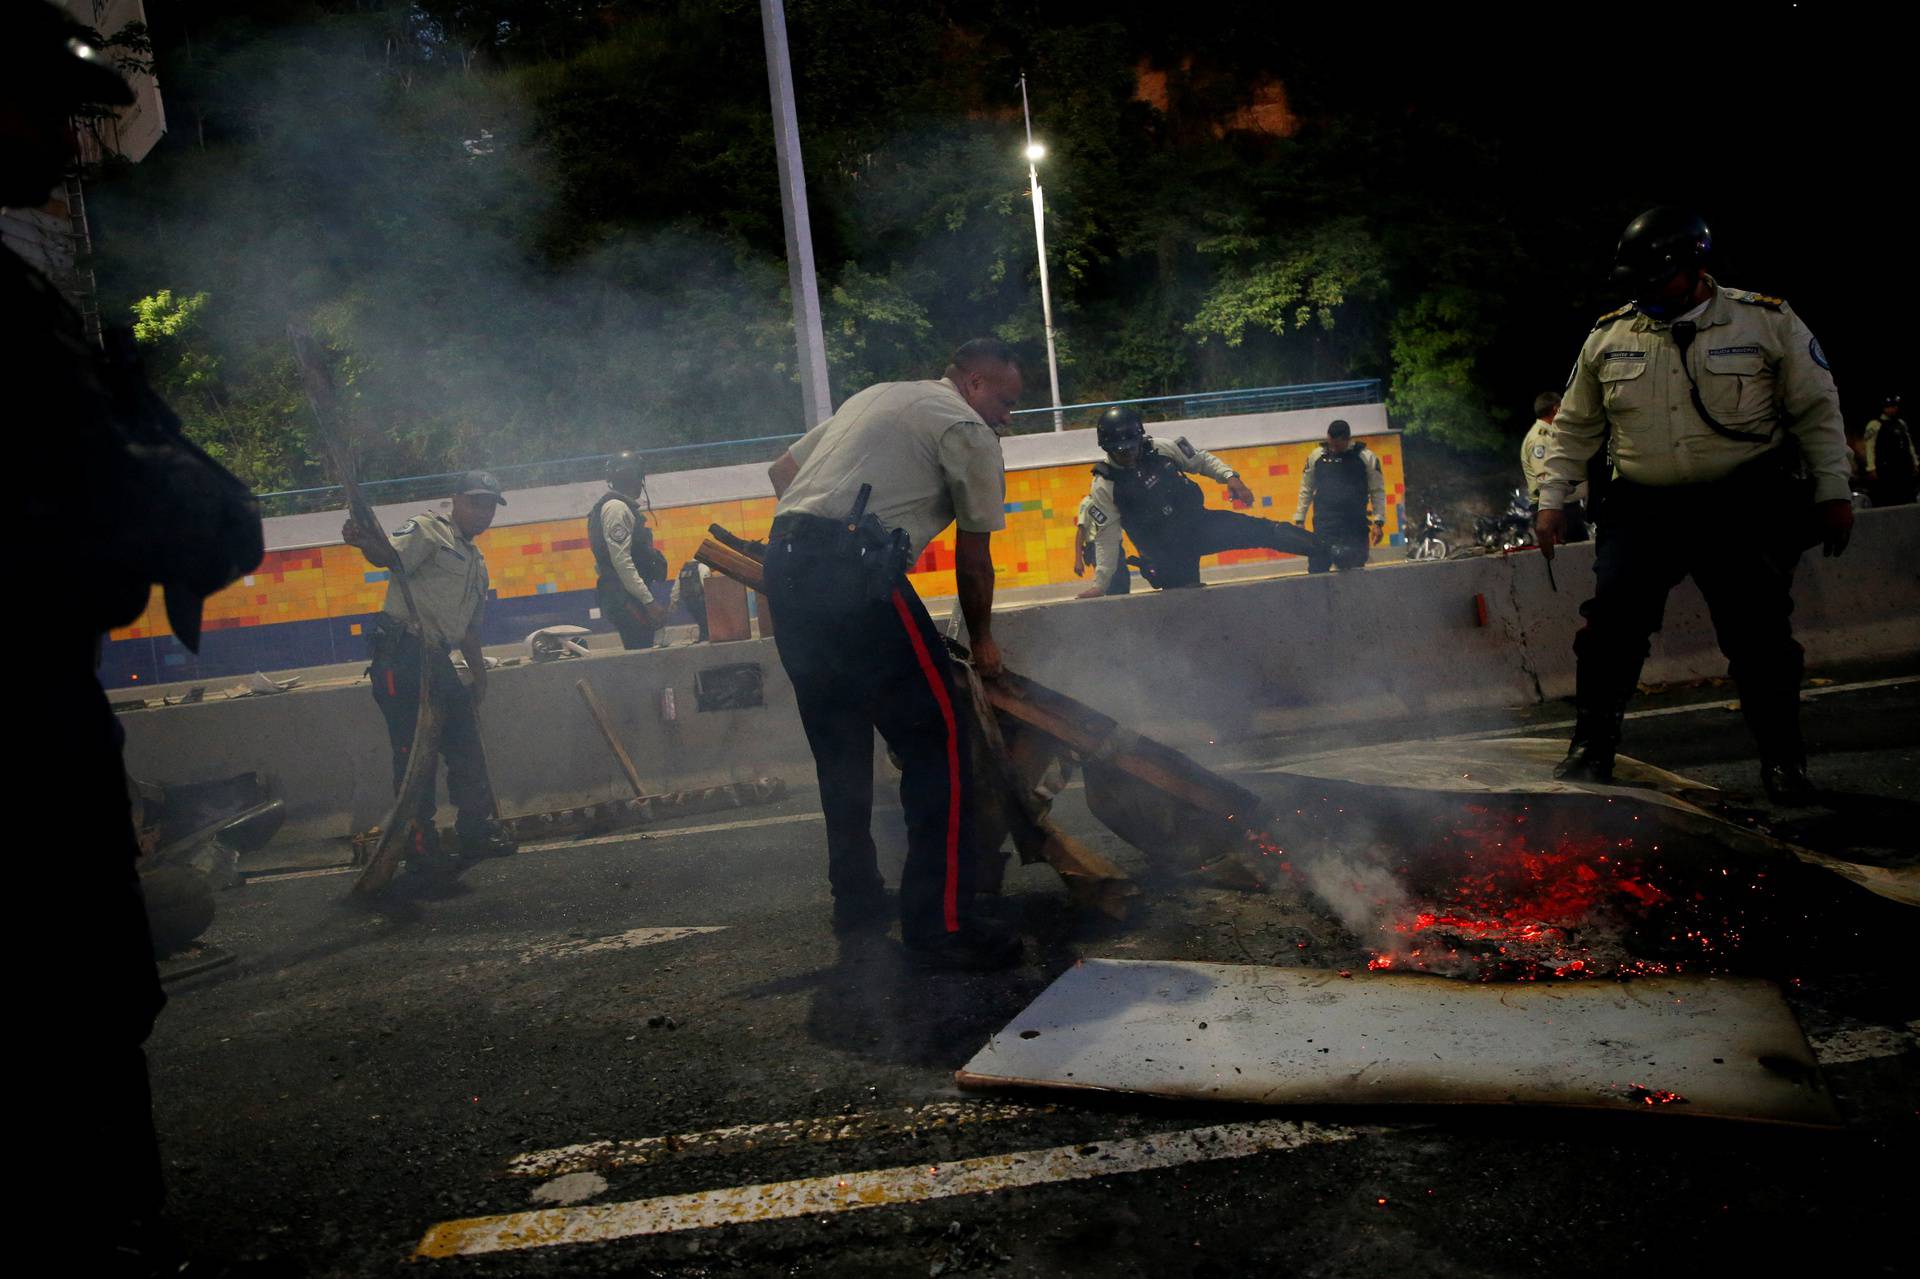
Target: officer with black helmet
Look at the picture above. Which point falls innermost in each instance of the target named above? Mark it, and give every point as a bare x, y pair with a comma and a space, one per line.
1717, 405
1892, 463
624, 554
1142, 489
137, 506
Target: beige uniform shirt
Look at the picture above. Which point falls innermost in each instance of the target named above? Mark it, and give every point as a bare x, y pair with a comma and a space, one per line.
1759, 370
448, 576
1102, 514
616, 523
1533, 461
931, 460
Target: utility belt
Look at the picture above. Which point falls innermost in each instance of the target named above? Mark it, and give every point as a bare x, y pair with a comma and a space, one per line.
856, 560
1775, 486
392, 639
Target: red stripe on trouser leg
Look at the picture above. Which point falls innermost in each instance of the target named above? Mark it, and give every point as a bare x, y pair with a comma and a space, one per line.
391, 690
950, 898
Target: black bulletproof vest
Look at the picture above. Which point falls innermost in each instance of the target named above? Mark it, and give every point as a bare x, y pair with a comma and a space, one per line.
1152, 494
1340, 483
597, 535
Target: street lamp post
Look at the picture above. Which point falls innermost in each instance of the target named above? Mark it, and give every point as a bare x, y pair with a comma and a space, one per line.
1034, 153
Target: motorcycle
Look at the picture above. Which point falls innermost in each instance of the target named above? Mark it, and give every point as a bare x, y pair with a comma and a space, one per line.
1430, 545
1510, 530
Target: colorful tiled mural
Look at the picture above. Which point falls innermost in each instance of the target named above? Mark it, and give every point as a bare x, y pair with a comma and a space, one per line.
307, 607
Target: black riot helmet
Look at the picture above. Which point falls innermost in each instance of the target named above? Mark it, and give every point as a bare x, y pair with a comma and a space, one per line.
1657, 244
1122, 434
627, 472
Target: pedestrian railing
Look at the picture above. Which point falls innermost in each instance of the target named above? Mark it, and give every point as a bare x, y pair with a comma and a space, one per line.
767, 448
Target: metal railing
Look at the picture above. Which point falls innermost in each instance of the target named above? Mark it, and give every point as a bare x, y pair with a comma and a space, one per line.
767, 448
1164, 408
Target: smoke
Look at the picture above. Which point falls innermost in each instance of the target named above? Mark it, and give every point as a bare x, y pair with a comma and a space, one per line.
1363, 895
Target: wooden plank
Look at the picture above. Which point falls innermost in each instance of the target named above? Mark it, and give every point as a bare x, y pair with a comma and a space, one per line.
605, 724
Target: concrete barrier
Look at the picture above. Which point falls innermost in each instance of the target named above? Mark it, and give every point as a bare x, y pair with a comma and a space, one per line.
1213, 665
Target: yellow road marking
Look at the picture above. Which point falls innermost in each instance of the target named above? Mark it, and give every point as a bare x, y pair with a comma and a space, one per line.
850, 1192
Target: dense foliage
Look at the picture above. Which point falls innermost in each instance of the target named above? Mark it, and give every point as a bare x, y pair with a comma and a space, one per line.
533, 229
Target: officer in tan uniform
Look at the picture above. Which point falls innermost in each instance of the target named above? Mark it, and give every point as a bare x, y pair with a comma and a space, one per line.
1730, 458
448, 576
1533, 464
1088, 523
861, 496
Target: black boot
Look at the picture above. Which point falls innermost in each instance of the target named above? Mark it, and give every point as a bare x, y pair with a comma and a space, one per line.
1787, 783
1589, 755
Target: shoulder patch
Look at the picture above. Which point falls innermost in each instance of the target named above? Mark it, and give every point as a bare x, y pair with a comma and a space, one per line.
1185, 447
1618, 313
407, 528
1819, 356
1757, 299
1098, 516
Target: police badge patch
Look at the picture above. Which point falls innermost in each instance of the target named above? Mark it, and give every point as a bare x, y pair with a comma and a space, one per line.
1539, 450
1819, 356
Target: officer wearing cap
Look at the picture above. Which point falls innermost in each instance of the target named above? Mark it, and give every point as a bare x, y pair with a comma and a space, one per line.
624, 554
1533, 464
448, 578
1892, 463
1721, 415
1343, 486
861, 496
137, 506
1142, 489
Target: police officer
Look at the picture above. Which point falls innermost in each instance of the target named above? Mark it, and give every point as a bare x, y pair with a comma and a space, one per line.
860, 649
1142, 489
1729, 458
136, 505
1086, 552
624, 554
448, 576
1892, 462
1533, 464
1343, 486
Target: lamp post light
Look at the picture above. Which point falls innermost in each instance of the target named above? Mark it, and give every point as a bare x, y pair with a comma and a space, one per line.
1035, 153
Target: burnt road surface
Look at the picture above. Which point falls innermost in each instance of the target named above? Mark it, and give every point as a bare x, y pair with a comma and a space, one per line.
358, 1077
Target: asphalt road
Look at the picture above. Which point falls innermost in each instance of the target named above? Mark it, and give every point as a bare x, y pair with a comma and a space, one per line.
359, 1077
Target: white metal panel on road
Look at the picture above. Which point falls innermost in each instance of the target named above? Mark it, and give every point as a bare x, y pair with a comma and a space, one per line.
1727, 1047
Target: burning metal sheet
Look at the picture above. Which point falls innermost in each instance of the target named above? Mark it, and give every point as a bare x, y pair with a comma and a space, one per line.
1524, 766
1722, 1047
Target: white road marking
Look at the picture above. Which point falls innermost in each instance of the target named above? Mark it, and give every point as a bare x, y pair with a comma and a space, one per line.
573, 1188
852, 1191
940, 1115
641, 832
1277, 764
1865, 1043
552, 845
618, 941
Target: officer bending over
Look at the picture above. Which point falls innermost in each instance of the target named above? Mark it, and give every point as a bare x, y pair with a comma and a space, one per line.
624, 555
437, 556
1729, 459
1142, 489
860, 649
1343, 486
